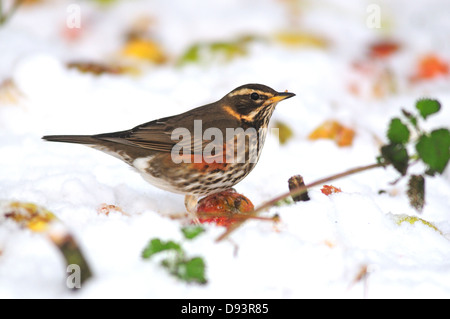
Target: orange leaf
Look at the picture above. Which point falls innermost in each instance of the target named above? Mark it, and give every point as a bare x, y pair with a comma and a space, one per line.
333, 130
329, 189
431, 66
345, 136
383, 49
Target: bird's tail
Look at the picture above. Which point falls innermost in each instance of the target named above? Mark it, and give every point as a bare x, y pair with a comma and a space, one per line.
78, 139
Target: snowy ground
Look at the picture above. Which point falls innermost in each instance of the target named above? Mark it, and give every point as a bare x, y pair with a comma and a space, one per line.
320, 246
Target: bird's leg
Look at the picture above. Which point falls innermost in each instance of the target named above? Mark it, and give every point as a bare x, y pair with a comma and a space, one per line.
190, 201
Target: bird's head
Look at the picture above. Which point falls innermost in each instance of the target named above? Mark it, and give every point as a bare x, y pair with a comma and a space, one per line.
253, 103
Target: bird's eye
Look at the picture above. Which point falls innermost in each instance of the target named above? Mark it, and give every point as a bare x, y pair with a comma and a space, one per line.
254, 96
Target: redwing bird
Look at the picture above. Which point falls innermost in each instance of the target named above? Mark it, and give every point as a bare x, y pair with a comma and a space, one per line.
153, 149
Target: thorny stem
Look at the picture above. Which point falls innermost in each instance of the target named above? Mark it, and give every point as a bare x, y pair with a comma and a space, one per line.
295, 192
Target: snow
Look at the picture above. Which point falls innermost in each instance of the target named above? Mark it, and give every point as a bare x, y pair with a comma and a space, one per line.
318, 248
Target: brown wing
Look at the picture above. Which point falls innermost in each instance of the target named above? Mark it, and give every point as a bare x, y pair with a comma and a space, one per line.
157, 135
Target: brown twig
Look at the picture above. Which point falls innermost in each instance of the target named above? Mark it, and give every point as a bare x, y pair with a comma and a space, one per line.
297, 191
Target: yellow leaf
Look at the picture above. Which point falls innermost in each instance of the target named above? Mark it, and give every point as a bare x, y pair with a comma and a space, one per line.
399, 219
30, 215
284, 132
144, 49
299, 39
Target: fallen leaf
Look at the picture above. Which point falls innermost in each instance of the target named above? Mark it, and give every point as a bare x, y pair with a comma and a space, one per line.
144, 49
218, 51
342, 135
95, 68
285, 133
40, 220
329, 189
402, 218
301, 39
29, 215
429, 67
383, 49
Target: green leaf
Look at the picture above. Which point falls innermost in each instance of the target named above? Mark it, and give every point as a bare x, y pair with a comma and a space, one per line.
434, 150
427, 107
398, 132
156, 245
192, 270
416, 192
396, 155
190, 232
220, 50
191, 55
189, 270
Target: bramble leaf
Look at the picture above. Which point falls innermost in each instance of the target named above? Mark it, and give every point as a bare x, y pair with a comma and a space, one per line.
398, 132
190, 232
397, 155
192, 270
156, 245
428, 107
434, 150
185, 269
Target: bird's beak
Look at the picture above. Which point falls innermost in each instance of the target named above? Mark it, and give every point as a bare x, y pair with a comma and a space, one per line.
280, 96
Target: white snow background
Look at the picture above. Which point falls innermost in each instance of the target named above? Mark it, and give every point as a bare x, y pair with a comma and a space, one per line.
319, 247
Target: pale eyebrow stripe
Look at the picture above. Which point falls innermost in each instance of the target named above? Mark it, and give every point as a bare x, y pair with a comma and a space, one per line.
249, 91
